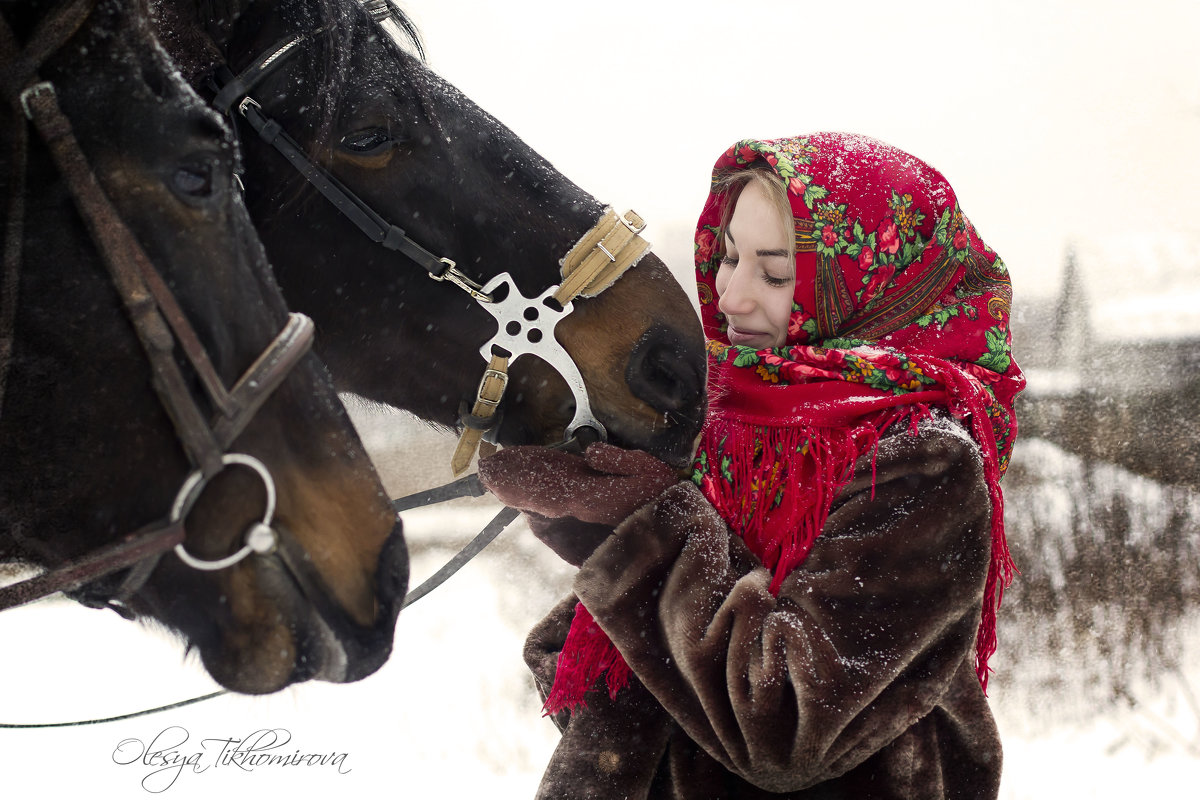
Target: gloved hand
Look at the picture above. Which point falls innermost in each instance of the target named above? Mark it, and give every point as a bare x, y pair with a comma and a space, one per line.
604, 485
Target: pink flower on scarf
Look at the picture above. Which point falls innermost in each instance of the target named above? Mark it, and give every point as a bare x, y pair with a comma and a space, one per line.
798, 371
985, 375
829, 236
796, 328
822, 355
889, 237
866, 258
797, 187
706, 242
960, 240
880, 279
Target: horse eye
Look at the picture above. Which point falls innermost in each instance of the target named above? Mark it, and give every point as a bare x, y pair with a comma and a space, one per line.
368, 141
194, 180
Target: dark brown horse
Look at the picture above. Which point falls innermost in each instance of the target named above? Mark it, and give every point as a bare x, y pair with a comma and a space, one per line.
367, 115
107, 430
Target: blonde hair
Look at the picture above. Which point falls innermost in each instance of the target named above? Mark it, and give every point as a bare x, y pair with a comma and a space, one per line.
729, 187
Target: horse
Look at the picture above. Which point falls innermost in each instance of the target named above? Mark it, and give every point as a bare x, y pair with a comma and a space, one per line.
135, 292
340, 94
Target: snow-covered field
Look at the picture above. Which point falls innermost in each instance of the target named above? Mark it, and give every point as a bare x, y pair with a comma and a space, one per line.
453, 713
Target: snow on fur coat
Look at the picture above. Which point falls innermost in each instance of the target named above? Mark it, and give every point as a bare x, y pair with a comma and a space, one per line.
857, 681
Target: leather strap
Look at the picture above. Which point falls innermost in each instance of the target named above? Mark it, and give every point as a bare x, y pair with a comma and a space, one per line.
487, 398
139, 546
602, 255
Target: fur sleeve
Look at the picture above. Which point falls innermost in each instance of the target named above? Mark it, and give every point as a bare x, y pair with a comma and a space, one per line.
862, 641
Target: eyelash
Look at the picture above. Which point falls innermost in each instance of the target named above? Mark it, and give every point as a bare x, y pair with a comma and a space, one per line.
776, 283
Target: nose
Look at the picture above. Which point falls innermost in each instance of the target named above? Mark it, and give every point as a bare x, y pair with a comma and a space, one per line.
735, 297
666, 370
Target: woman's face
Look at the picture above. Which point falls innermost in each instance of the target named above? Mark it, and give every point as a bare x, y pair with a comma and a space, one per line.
756, 278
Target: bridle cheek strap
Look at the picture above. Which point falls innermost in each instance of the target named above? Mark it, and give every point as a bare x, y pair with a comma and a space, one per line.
598, 259
160, 324
482, 416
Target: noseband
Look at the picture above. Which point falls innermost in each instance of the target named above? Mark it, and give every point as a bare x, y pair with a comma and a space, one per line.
160, 324
526, 324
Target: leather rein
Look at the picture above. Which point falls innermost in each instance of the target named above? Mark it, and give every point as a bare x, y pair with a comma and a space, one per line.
161, 326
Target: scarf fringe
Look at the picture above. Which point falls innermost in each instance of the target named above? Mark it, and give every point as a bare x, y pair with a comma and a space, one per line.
969, 401
587, 654
775, 485
779, 499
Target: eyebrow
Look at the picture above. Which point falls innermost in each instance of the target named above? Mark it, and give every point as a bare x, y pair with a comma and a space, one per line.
762, 253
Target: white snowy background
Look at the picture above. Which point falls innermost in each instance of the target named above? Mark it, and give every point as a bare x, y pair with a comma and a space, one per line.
1057, 122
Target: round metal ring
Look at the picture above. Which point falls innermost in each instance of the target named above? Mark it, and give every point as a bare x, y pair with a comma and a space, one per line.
260, 538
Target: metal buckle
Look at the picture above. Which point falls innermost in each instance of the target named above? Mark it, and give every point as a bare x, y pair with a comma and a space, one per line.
246, 102
30, 91
636, 230
460, 280
499, 375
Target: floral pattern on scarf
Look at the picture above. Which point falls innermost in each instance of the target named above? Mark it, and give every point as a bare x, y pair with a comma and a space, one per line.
898, 306
898, 270
895, 293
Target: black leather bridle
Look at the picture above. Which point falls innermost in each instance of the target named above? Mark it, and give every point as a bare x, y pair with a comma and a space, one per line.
161, 326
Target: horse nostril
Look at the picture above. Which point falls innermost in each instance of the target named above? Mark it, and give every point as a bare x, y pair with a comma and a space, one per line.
667, 373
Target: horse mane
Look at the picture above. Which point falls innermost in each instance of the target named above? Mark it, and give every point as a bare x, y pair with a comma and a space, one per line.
218, 17
386, 9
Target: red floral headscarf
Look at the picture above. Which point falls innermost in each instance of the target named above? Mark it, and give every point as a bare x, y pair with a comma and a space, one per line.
898, 306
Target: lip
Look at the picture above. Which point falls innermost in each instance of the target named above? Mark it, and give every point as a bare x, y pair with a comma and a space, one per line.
746, 338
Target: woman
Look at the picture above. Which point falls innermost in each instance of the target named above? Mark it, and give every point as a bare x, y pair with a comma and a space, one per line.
812, 615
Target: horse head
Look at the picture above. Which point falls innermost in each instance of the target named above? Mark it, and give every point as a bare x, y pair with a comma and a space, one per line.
368, 113
95, 431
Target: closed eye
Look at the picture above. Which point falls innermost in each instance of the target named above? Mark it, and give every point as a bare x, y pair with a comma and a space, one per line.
193, 180
367, 142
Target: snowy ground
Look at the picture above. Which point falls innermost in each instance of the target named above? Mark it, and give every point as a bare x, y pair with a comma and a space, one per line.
453, 714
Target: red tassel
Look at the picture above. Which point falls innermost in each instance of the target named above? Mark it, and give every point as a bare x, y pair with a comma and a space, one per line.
969, 400
586, 655
775, 485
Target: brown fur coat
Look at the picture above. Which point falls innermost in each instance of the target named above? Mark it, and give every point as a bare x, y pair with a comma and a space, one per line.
857, 681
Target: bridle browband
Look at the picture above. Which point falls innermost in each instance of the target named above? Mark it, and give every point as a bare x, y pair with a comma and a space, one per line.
525, 324
160, 324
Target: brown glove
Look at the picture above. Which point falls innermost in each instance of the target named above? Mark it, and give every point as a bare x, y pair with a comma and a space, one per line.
575, 501
606, 484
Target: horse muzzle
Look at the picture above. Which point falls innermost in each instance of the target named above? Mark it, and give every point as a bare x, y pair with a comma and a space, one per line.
335, 648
